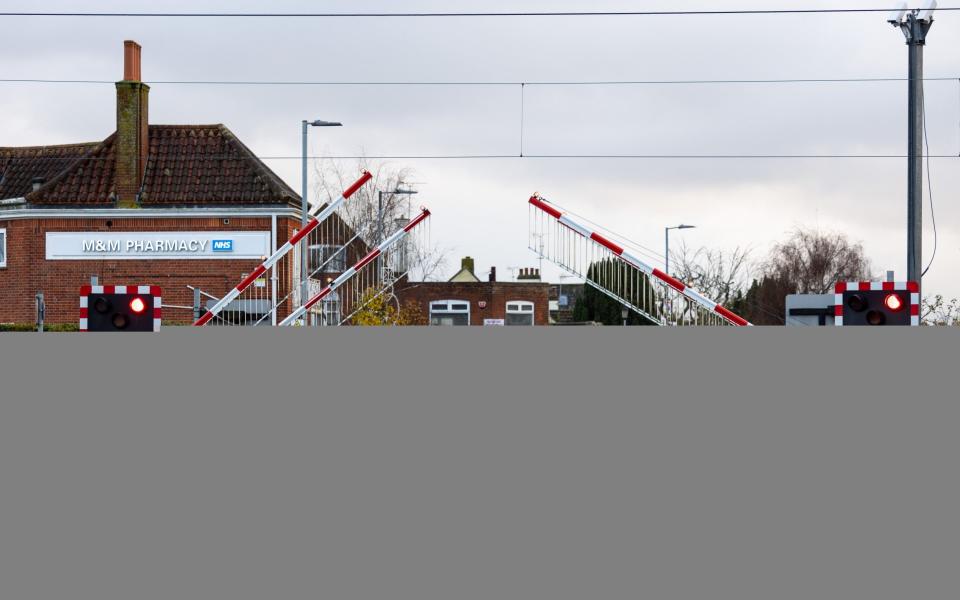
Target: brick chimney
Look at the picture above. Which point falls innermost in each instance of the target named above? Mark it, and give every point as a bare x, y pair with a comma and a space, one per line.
493, 274
529, 274
467, 264
132, 142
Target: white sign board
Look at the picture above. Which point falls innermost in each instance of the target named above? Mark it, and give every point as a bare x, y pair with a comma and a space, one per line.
158, 245
494, 322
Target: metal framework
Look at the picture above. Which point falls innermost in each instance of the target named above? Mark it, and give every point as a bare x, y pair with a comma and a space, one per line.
614, 271
250, 302
365, 281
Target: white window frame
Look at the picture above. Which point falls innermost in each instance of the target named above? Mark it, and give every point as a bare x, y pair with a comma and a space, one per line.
328, 312
338, 250
447, 310
521, 307
332, 311
3, 248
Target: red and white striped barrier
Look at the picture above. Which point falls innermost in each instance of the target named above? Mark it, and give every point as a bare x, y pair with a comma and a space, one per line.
146, 290
282, 250
346, 275
619, 251
877, 286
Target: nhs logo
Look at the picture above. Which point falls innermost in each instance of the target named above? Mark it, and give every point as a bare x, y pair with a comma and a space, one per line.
222, 245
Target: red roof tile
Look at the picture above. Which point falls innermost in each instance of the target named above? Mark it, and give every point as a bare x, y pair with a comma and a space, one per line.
188, 165
20, 166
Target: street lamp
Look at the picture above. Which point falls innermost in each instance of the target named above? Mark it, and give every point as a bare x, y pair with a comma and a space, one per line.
624, 312
666, 233
380, 196
305, 206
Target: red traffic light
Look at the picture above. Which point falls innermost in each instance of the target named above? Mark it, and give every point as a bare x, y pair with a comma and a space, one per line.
894, 302
120, 308
137, 305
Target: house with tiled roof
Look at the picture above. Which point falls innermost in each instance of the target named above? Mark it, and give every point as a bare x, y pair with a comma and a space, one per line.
74, 213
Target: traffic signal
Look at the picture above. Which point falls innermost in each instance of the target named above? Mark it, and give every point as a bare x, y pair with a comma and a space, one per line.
876, 303
120, 308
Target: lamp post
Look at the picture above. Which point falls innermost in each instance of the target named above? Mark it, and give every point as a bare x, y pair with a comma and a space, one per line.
380, 196
666, 233
624, 312
305, 207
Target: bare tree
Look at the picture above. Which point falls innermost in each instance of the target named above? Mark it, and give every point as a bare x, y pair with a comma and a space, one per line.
362, 212
811, 262
808, 262
939, 312
720, 275
373, 215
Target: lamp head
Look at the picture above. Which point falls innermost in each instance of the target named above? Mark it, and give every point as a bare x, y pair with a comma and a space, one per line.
926, 13
897, 15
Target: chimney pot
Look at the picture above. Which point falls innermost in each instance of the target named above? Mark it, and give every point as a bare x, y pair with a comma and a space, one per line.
493, 274
131, 61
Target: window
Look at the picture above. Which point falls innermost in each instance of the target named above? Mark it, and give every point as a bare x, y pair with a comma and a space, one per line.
328, 258
328, 312
3, 248
331, 309
450, 312
519, 313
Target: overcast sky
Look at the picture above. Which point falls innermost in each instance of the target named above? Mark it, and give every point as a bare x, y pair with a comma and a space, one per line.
480, 205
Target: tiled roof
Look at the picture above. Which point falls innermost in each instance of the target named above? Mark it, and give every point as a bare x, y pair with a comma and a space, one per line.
188, 165
20, 166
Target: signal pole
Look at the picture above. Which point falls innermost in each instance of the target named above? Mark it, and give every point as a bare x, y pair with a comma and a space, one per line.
915, 26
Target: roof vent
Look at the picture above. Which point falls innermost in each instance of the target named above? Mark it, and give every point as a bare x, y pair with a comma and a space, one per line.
38, 183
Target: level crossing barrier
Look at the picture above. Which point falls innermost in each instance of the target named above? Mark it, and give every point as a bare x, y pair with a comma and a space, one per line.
617, 272
274, 286
372, 276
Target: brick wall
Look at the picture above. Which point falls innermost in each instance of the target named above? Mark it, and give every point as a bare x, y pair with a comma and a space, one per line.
28, 271
495, 295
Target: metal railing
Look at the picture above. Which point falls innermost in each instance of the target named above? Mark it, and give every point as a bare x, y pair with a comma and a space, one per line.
339, 301
275, 288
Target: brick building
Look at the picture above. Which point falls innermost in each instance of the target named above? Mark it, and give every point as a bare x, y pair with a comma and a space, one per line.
467, 300
165, 205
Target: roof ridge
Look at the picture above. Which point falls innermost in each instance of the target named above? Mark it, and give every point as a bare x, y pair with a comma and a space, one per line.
186, 126
48, 146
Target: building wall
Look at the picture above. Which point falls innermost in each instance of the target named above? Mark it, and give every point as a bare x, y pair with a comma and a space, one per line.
495, 294
28, 272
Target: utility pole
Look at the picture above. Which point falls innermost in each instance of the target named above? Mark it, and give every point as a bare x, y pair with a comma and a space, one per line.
915, 26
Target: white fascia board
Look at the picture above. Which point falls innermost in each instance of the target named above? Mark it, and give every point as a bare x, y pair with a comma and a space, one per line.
120, 213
